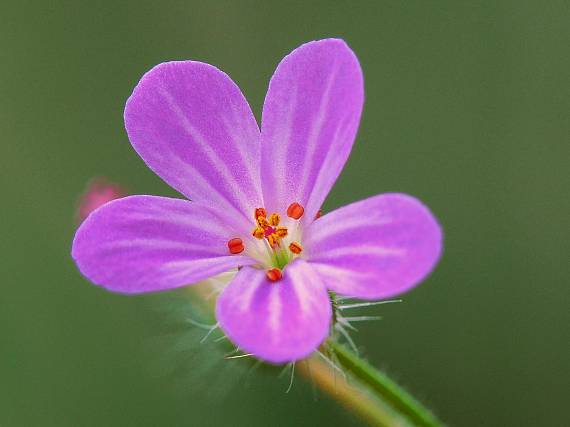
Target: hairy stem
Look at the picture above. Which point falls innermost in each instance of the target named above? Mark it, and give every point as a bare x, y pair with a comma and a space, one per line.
354, 383
366, 378
353, 397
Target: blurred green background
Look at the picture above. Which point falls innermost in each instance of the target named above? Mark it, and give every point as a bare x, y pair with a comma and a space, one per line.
467, 108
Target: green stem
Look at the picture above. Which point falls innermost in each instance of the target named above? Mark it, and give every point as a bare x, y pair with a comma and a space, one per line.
384, 388
368, 392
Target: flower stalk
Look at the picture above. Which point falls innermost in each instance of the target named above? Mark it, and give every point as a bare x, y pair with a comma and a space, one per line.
351, 396
403, 407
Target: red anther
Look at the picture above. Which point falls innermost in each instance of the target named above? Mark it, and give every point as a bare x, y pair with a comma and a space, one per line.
295, 210
319, 214
260, 212
296, 248
274, 219
235, 246
274, 274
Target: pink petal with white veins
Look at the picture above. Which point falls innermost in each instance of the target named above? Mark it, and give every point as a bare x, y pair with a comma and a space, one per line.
193, 127
375, 248
310, 118
145, 244
279, 321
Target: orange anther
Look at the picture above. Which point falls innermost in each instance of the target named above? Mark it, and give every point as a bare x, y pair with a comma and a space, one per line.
262, 221
319, 214
259, 212
281, 231
295, 210
235, 246
273, 240
274, 274
274, 219
296, 248
258, 233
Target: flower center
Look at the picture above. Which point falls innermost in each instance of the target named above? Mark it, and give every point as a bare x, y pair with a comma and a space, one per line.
277, 239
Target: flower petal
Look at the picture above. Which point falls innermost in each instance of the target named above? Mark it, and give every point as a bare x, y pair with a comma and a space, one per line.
310, 118
278, 321
146, 243
375, 248
193, 127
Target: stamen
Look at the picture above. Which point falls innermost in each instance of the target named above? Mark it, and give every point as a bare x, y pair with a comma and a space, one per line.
235, 246
258, 233
295, 210
268, 230
281, 231
274, 274
272, 240
262, 221
319, 214
274, 219
296, 248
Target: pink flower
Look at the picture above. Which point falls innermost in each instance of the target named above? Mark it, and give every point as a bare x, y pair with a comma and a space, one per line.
256, 195
98, 192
